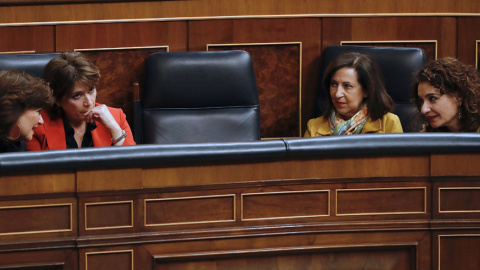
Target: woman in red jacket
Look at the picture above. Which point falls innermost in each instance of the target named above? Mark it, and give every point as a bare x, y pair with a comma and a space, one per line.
75, 120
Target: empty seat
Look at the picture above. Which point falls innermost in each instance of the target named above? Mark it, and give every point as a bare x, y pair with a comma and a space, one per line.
193, 97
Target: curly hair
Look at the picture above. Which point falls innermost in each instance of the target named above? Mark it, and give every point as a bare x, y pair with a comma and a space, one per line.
369, 76
64, 71
453, 77
19, 92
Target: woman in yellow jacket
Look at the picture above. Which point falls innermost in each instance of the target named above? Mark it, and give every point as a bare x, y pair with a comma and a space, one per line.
357, 100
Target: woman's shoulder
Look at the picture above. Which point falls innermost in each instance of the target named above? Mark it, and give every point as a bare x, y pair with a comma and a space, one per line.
390, 123
318, 127
317, 121
391, 116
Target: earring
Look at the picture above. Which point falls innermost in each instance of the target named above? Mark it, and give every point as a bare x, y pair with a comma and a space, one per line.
16, 129
459, 112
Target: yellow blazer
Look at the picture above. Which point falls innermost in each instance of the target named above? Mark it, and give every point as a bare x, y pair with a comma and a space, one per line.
389, 123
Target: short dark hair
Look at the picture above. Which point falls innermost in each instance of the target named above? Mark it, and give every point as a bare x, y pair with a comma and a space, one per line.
19, 92
64, 71
369, 76
451, 76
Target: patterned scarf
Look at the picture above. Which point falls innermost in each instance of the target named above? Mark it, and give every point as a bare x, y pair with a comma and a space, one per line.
354, 125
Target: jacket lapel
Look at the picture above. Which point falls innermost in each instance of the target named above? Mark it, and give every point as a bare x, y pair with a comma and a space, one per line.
101, 136
55, 133
372, 126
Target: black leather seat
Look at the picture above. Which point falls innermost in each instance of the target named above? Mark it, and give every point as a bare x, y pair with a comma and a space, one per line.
32, 64
194, 97
398, 66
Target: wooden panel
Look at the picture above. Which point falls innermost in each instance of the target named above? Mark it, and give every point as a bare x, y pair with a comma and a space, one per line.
381, 201
36, 218
108, 215
277, 71
468, 35
118, 260
46, 266
455, 164
455, 198
120, 179
37, 183
441, 29
57, 259
459, 251
459, 200
27, 39
273, 192
179, 9
430, 47
204, 209
58, 2
306, 30
382, 257
115, 35
295, 169
318, 245
292, 204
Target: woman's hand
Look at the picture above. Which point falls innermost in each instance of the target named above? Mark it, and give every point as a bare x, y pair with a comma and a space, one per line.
103, 115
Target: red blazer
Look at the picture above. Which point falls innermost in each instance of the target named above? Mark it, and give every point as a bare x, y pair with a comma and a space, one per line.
51, 135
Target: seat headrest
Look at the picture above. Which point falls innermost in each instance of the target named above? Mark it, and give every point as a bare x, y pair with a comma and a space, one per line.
32, 64
199, 79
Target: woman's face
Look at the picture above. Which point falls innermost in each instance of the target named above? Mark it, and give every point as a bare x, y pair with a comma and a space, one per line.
441, 110
27, 121
346, 92
78, 103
